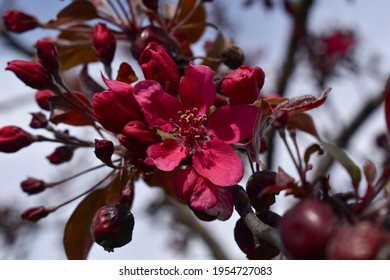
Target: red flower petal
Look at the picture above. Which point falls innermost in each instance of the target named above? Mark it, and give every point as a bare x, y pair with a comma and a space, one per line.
197, 89
117, 86
196, 190
232, 123
168, 154
182, 183
218, 162
223, 210
115, 109
158, 106
204, 195
122, 88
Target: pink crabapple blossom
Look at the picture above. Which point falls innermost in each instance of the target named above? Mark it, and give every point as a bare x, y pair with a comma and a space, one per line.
193, 131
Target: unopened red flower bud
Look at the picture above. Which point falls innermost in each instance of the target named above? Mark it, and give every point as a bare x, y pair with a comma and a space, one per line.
42, 98
104, 149
151, 4
136, 138
48, 55
31, 73
61, 154
13, 138
243, 85
104, 43
38, 120
33, 186
233, 57
149, 34
17, 21
35, 213
158, 65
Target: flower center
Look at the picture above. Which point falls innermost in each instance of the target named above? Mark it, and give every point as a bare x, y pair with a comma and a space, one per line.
191, 127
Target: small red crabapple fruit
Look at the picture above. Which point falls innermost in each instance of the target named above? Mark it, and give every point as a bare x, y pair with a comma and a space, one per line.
358, 242
112, 226
306, 228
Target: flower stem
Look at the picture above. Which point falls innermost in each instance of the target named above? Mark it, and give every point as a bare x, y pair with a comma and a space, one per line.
75, 175
84, 193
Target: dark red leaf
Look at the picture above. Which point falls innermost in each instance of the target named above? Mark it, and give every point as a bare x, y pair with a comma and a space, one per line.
315, 148
65, 110
284, 182
216, 50
88, 82
79, 10
302, 103
275, 189
77, 237
126, 74
283, 179
302, 122
196, 23
75, 54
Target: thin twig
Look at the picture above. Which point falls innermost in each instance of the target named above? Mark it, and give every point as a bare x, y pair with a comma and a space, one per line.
344, 138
